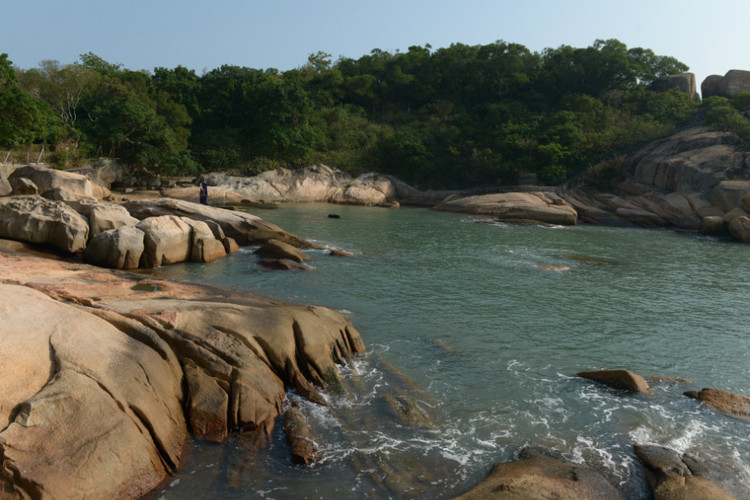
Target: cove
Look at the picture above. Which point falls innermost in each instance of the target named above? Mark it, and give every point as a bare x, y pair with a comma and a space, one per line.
482, 327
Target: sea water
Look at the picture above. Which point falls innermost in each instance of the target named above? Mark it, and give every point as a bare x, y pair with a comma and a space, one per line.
479, 328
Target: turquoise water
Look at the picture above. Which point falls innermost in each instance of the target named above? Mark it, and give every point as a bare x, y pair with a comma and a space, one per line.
481, 327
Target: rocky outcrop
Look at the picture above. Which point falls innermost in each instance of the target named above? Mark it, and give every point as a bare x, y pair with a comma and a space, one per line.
534, 206
729, 403
676, 182
734, 82
244, 228
299, 436
684, 82
312, 183
672, 477
619, 379
39, 220
57, 184
280, 250
536, 475
92, 399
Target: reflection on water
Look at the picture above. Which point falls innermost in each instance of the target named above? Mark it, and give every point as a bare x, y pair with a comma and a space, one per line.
474, 336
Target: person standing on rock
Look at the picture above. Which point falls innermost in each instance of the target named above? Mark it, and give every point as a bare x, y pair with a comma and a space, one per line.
204, 193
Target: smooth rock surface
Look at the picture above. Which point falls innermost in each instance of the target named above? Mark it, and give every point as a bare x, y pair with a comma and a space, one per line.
729, 403
509, 206
619, 379
39, 220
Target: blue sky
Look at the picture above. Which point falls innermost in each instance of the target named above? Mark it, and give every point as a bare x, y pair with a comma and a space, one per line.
203, 35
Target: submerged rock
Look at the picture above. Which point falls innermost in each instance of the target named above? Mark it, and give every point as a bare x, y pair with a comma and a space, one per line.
539, 476
280, 250
619, 379
299, 436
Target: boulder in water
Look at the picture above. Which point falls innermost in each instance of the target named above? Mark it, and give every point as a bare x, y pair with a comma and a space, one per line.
729, 403
619, 379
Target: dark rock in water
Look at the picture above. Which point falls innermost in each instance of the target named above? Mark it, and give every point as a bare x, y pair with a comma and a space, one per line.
539, 476
734, 405
670, 478
619, 379
334, 216
299, 436
340, 253
282, 265
585, 259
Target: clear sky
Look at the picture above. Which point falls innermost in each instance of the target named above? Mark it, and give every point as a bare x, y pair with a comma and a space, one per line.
710, 37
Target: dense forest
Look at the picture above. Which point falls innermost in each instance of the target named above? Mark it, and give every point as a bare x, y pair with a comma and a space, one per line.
452, 117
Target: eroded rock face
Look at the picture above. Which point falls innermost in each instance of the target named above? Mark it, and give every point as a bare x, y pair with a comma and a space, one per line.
671, 478
92, 402
684, 82
56, 184
38, 220
514, 206
119, 248
537, 476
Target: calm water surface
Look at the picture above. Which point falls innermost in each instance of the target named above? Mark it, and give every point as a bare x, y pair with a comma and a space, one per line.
468, 324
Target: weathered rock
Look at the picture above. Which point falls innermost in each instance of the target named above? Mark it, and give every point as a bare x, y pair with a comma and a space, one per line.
671, 479
37, 220
300, 438
710, 86
104, 420
204, 245
91, 385
685, 82
55, 184
729, 403
733, 214
712, 225
729, 194
312, 183
282, 265
739, 228
23, 186
166, 240
244, 228
734, 82
530, 206
280, 250
539, 476
119, 248
5, 187
340, 253
619, 379
105, 216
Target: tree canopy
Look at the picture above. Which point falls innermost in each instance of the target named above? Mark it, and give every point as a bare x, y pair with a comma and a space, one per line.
449, 117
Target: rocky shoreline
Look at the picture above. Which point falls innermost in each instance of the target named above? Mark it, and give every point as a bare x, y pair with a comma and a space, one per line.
96, 359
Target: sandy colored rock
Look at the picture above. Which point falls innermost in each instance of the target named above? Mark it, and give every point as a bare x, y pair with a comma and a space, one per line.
536, 476
167, 240
55, 184
244, 228
38, 220
119, 248
619, 379
204, 246
92, 373
299, 436
729, 403
735, 81
509, 206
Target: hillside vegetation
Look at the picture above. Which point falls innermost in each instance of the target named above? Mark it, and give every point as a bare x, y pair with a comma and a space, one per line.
452, 117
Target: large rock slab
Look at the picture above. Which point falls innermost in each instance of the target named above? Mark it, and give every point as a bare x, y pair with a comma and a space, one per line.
38, 220
536, 476
244, 228
735, 81
514, 206
119, 248
57, 184
684, 82
101, 382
